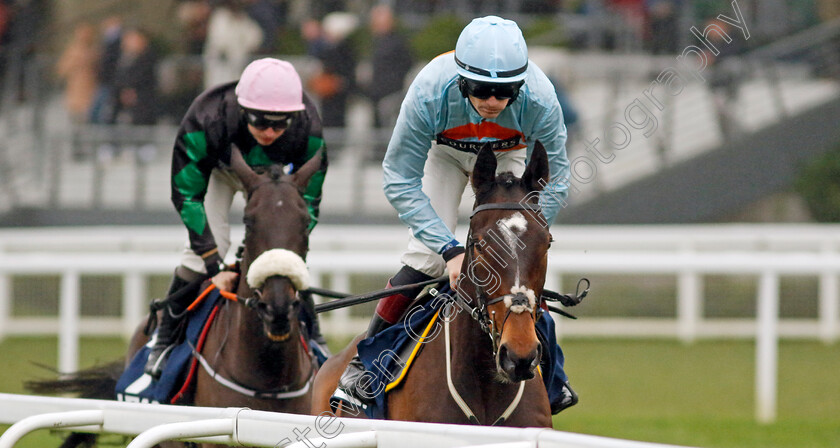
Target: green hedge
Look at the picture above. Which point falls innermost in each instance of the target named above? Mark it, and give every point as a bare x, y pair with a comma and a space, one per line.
819, 185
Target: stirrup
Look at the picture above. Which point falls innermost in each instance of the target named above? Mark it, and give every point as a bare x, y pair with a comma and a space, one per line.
570, 398
341, 400
156, 363
349, 382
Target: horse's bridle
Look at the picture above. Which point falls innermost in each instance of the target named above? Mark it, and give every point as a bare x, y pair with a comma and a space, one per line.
480, 312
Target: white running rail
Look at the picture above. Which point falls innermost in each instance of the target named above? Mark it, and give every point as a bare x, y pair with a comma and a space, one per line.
152, 424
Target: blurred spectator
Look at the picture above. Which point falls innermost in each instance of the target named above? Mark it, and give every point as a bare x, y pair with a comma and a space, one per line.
663, 16
632, 14
103, 109
724, 78
392, 61
232, 38
26, 21
5, 19
322, 8
828, 9
76, 67
179, 82
193, 16
338, 69
270, 15
135, 80
540, 6
313, 34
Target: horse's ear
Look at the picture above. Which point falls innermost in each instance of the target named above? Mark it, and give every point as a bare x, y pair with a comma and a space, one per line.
237, 163
302, 176
537, 173
484, 171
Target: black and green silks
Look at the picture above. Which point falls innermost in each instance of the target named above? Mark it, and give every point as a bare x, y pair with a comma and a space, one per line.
212, 125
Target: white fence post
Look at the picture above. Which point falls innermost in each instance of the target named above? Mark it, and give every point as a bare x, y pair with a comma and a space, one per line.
134, 291
829, 307
689, 309
767, 347
68, 337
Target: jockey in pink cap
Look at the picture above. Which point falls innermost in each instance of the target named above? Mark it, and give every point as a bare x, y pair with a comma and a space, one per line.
268, 117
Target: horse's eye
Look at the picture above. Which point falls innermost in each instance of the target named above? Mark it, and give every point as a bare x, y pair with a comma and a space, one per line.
479, 245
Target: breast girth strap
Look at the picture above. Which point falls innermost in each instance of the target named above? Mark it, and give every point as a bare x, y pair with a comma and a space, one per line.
465, 408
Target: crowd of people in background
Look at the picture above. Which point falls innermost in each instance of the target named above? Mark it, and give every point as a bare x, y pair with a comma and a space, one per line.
110, 77
111, 69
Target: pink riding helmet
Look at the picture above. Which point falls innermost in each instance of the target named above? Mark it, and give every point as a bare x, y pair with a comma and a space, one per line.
270, 85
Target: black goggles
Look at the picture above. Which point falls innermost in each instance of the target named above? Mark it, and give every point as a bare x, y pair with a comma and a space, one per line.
263, 120
484, 90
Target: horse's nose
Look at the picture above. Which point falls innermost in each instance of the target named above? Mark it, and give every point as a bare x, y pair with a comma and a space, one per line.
276, 319
519, 367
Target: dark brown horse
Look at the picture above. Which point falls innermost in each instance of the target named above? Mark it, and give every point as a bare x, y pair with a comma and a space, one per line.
462, 375
257, 353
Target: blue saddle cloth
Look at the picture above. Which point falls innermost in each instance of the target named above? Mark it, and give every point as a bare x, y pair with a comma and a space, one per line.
379, 353
136, 386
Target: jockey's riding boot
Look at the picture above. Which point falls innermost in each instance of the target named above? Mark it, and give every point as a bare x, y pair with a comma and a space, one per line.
388, 311
308, 304
570, 398
167, 328
349, 382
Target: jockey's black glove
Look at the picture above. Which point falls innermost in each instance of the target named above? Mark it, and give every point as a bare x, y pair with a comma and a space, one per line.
213, 262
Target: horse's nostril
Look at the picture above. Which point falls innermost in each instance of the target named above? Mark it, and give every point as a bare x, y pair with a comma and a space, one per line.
519, 368
506, 363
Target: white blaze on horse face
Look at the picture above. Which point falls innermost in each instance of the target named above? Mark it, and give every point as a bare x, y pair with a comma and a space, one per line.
512, 228
279, 203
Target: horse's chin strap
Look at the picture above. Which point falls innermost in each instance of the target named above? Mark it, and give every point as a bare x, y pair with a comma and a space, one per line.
465, 408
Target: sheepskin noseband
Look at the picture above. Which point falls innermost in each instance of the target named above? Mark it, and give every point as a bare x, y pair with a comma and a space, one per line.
278, 262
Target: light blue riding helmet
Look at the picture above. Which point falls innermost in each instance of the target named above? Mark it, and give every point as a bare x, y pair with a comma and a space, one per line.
492, 49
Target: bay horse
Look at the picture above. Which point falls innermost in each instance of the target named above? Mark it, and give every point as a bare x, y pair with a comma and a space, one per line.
257, 353
461, 375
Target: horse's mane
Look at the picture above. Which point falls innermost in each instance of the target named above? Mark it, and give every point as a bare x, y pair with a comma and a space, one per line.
507, 181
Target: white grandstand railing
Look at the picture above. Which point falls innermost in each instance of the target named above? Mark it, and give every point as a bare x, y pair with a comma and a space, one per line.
243, 427
338, 253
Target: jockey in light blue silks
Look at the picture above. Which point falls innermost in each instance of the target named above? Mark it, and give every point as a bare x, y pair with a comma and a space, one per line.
485, 91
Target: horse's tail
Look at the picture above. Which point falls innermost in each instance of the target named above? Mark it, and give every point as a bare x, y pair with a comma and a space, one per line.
80, 439
98, 382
